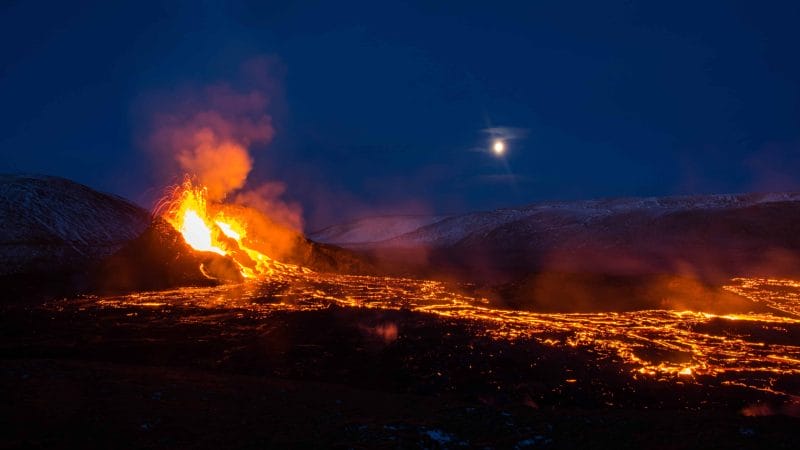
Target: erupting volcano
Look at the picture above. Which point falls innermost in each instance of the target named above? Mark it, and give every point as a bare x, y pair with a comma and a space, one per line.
219, 228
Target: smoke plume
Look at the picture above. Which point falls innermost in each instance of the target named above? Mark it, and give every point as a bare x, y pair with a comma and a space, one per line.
215, 133
210, 136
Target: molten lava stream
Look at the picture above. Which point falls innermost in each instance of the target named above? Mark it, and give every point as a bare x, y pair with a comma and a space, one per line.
756, 351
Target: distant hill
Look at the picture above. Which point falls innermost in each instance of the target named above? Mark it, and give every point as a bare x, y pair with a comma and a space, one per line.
707, 236
372, 229
50, 224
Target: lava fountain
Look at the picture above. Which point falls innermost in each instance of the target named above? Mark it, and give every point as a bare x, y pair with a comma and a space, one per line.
214, 227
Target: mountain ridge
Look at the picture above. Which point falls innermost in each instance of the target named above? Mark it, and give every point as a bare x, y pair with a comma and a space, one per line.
415, 235
705, 236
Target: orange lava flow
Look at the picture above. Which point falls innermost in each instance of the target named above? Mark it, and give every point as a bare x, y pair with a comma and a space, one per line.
778, 294
755, 350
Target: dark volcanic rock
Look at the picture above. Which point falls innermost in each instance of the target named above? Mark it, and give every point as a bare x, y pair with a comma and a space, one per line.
329, 258
84, 375
160, 259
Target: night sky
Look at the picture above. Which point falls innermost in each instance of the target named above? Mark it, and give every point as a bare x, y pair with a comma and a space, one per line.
383, 107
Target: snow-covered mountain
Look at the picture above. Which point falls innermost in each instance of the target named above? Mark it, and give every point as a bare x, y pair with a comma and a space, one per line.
373, 229
52, 224
443, 231
707, 233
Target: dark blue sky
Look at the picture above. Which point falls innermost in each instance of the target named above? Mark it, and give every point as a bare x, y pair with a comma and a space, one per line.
379, 106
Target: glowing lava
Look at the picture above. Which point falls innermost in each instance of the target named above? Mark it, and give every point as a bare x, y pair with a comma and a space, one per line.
196, 233
213, 228
754, 350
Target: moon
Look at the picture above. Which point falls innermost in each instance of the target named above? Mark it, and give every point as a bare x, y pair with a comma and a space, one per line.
499, 147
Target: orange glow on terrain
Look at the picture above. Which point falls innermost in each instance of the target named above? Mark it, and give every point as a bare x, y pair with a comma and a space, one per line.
753, 350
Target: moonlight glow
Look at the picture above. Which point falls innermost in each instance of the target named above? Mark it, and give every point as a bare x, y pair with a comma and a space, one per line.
499, 148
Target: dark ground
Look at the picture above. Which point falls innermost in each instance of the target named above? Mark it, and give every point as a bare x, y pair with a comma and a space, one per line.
73, 374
